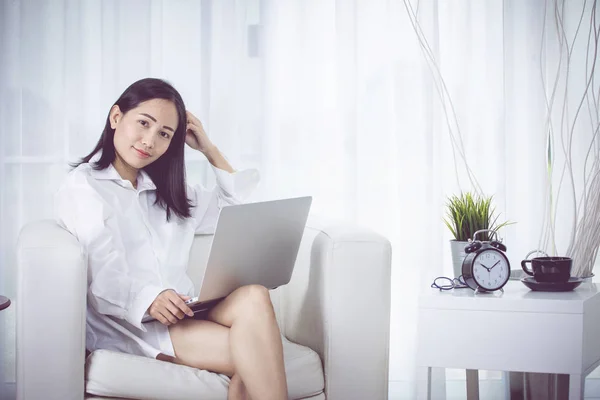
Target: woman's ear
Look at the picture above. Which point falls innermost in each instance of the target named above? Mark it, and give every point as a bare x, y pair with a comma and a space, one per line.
115, 116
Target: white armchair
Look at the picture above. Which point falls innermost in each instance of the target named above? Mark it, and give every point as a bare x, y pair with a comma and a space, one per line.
334, 316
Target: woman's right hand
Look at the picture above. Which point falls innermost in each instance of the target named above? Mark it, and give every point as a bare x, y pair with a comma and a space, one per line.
169, 307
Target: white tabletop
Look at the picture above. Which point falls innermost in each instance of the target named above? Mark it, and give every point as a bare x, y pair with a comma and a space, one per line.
516, 297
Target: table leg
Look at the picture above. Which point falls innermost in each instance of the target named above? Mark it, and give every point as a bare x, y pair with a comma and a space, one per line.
438, 383
431, 383
472, 384
514, 385
424, 383
576, 386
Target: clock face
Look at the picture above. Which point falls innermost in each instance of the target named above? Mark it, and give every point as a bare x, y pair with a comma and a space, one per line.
491, 269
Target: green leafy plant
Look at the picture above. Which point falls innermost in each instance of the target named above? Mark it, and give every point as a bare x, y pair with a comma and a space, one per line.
468, 213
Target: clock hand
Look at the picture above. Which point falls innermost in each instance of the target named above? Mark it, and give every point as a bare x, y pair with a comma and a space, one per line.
488, 269
494, 265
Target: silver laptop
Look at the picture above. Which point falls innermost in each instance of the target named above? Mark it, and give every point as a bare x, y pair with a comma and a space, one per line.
254, 243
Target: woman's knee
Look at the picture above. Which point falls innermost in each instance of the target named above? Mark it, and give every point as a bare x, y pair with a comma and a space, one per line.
256, 298
245, 303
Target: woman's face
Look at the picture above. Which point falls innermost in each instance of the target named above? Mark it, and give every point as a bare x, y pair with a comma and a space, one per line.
144, 133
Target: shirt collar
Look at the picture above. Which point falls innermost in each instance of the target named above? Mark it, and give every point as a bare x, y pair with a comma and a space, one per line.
144, 182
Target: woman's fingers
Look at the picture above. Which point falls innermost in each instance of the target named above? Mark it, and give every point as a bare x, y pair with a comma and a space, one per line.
191, 127
162, 319
193, 130
191, 117
169, 308
175, 311
191, 138
183, 308
178, 306
168, 317
169, 312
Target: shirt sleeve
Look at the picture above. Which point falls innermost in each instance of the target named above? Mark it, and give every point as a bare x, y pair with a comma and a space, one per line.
232, 188
111, 289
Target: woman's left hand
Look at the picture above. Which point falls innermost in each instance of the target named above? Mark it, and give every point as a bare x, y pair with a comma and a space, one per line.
195, 136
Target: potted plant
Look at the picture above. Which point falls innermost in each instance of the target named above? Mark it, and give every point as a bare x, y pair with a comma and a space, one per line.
466, 214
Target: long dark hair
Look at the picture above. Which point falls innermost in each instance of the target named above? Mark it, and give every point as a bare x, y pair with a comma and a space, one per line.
168, 172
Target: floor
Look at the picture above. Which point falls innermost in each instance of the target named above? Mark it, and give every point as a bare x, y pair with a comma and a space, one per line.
455, 389
490, 389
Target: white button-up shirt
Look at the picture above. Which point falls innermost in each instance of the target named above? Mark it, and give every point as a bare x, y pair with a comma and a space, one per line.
132, 252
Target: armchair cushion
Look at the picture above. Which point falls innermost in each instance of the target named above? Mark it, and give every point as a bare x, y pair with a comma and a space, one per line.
109, 373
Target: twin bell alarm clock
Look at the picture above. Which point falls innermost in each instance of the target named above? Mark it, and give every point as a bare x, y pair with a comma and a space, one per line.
485, 267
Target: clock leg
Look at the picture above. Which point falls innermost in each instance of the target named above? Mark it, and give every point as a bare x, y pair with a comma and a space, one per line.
576, 385
472, 384
431, 383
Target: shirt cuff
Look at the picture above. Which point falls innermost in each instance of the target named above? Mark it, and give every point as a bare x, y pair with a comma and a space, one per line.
238, 185
140, 305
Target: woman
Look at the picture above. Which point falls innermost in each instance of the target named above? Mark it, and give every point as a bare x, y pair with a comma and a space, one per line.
128, 204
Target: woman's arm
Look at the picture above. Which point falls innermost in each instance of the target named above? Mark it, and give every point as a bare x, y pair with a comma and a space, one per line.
111, 289
197, 139
233, 187
216, 158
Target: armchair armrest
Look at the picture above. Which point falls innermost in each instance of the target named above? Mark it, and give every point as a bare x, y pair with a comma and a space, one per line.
338, 304
51, 308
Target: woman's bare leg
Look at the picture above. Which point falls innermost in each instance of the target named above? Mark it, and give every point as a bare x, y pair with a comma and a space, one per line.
240, 339
255, 344
205, 345
237, 390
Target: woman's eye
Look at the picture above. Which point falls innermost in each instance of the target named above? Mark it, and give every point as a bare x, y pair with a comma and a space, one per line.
165, 135
144, 123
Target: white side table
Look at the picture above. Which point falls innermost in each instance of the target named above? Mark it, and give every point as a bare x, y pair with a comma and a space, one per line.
518, 330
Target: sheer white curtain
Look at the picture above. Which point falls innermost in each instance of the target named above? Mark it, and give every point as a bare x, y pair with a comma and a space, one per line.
334, 99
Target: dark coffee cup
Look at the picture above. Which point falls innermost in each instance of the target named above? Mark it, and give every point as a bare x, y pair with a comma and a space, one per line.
549, 269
